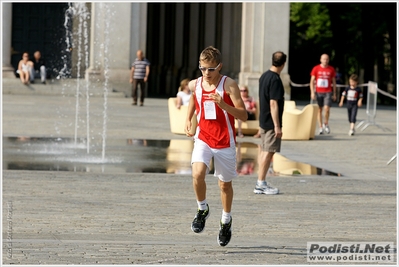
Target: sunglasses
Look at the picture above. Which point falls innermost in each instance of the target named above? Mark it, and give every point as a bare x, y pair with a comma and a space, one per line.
209, 69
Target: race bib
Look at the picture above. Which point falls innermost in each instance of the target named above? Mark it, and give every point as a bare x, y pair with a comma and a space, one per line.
210, 110
322, 83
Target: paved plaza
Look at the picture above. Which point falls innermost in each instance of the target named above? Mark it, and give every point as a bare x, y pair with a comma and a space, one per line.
96, 218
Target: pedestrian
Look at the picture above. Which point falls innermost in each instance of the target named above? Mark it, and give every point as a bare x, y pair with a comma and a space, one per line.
271, 102
184, 94
217, 102
139, 76
322, 77
354, 97
25, 68
39, 68
250, 106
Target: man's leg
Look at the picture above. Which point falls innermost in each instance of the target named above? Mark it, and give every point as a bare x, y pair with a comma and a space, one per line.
199, 170
326, 114
142, 95
264, 160
134, 91
269, 145
226, 194
43, 74
32, 75
321, 104
327, 105
320, 117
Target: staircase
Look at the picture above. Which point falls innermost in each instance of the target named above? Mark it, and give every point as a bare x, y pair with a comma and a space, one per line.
64, 87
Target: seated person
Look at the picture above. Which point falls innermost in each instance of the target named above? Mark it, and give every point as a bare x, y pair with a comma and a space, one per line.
184, 94
24, 68
250, 106
39, 69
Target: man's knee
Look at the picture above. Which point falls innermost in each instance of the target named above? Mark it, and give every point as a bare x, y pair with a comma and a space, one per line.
225, 186
199, 170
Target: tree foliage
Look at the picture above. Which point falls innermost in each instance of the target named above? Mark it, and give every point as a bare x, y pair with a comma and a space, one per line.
359, 37
312, 22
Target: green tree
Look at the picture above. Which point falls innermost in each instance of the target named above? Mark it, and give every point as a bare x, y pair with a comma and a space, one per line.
359, 37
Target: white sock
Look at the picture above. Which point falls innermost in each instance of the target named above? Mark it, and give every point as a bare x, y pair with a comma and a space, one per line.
226, 217
202, 205
260, 183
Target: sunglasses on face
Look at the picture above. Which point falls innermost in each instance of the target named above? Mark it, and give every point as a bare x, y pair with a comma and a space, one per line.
209, 69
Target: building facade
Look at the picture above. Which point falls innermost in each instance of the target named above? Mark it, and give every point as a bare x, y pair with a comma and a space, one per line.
99, 40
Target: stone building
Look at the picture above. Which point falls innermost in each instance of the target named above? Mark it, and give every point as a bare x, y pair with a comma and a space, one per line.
104, 38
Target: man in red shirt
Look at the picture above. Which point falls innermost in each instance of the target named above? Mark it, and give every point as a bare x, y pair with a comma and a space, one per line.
216, 101
322, 77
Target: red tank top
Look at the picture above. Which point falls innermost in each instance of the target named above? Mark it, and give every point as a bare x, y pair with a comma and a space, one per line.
219, 132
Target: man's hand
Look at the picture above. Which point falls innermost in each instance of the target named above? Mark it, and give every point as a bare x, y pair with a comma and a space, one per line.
278, 132
187, 128
313, 96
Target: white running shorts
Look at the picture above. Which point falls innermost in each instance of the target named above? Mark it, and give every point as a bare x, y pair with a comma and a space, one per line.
224, 159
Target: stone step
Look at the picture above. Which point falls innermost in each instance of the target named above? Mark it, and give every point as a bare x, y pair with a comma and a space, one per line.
65, 87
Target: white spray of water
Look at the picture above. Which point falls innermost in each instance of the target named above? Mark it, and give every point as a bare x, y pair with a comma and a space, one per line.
79, 34
106, 75
86, 46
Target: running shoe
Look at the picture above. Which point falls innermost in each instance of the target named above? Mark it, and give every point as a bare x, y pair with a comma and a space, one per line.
225, 233
265, 189
198, 223
326, 129
320, 130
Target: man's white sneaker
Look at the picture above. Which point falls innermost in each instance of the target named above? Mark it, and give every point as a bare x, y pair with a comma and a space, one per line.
326, 129
265, 189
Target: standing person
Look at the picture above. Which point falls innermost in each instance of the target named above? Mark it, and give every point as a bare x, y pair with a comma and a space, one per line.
322, 76
216, 100
271, 101
39, 68
184, 94
354, 97
139, 76
250, 106
25, 68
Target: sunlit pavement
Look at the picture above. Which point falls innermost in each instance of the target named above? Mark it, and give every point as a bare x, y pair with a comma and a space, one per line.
95, 217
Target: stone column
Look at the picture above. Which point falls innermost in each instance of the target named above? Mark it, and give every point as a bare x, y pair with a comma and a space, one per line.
8, 70
138, 30
265, 30
95, 72
110, 41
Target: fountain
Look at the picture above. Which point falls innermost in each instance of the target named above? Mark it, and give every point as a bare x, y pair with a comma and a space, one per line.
124, 155
78, 40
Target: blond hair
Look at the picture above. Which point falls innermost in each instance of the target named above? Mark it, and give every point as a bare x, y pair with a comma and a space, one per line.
211, 54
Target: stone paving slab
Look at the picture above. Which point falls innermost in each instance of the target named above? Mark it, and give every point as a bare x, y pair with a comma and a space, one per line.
85, 218
144, 218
